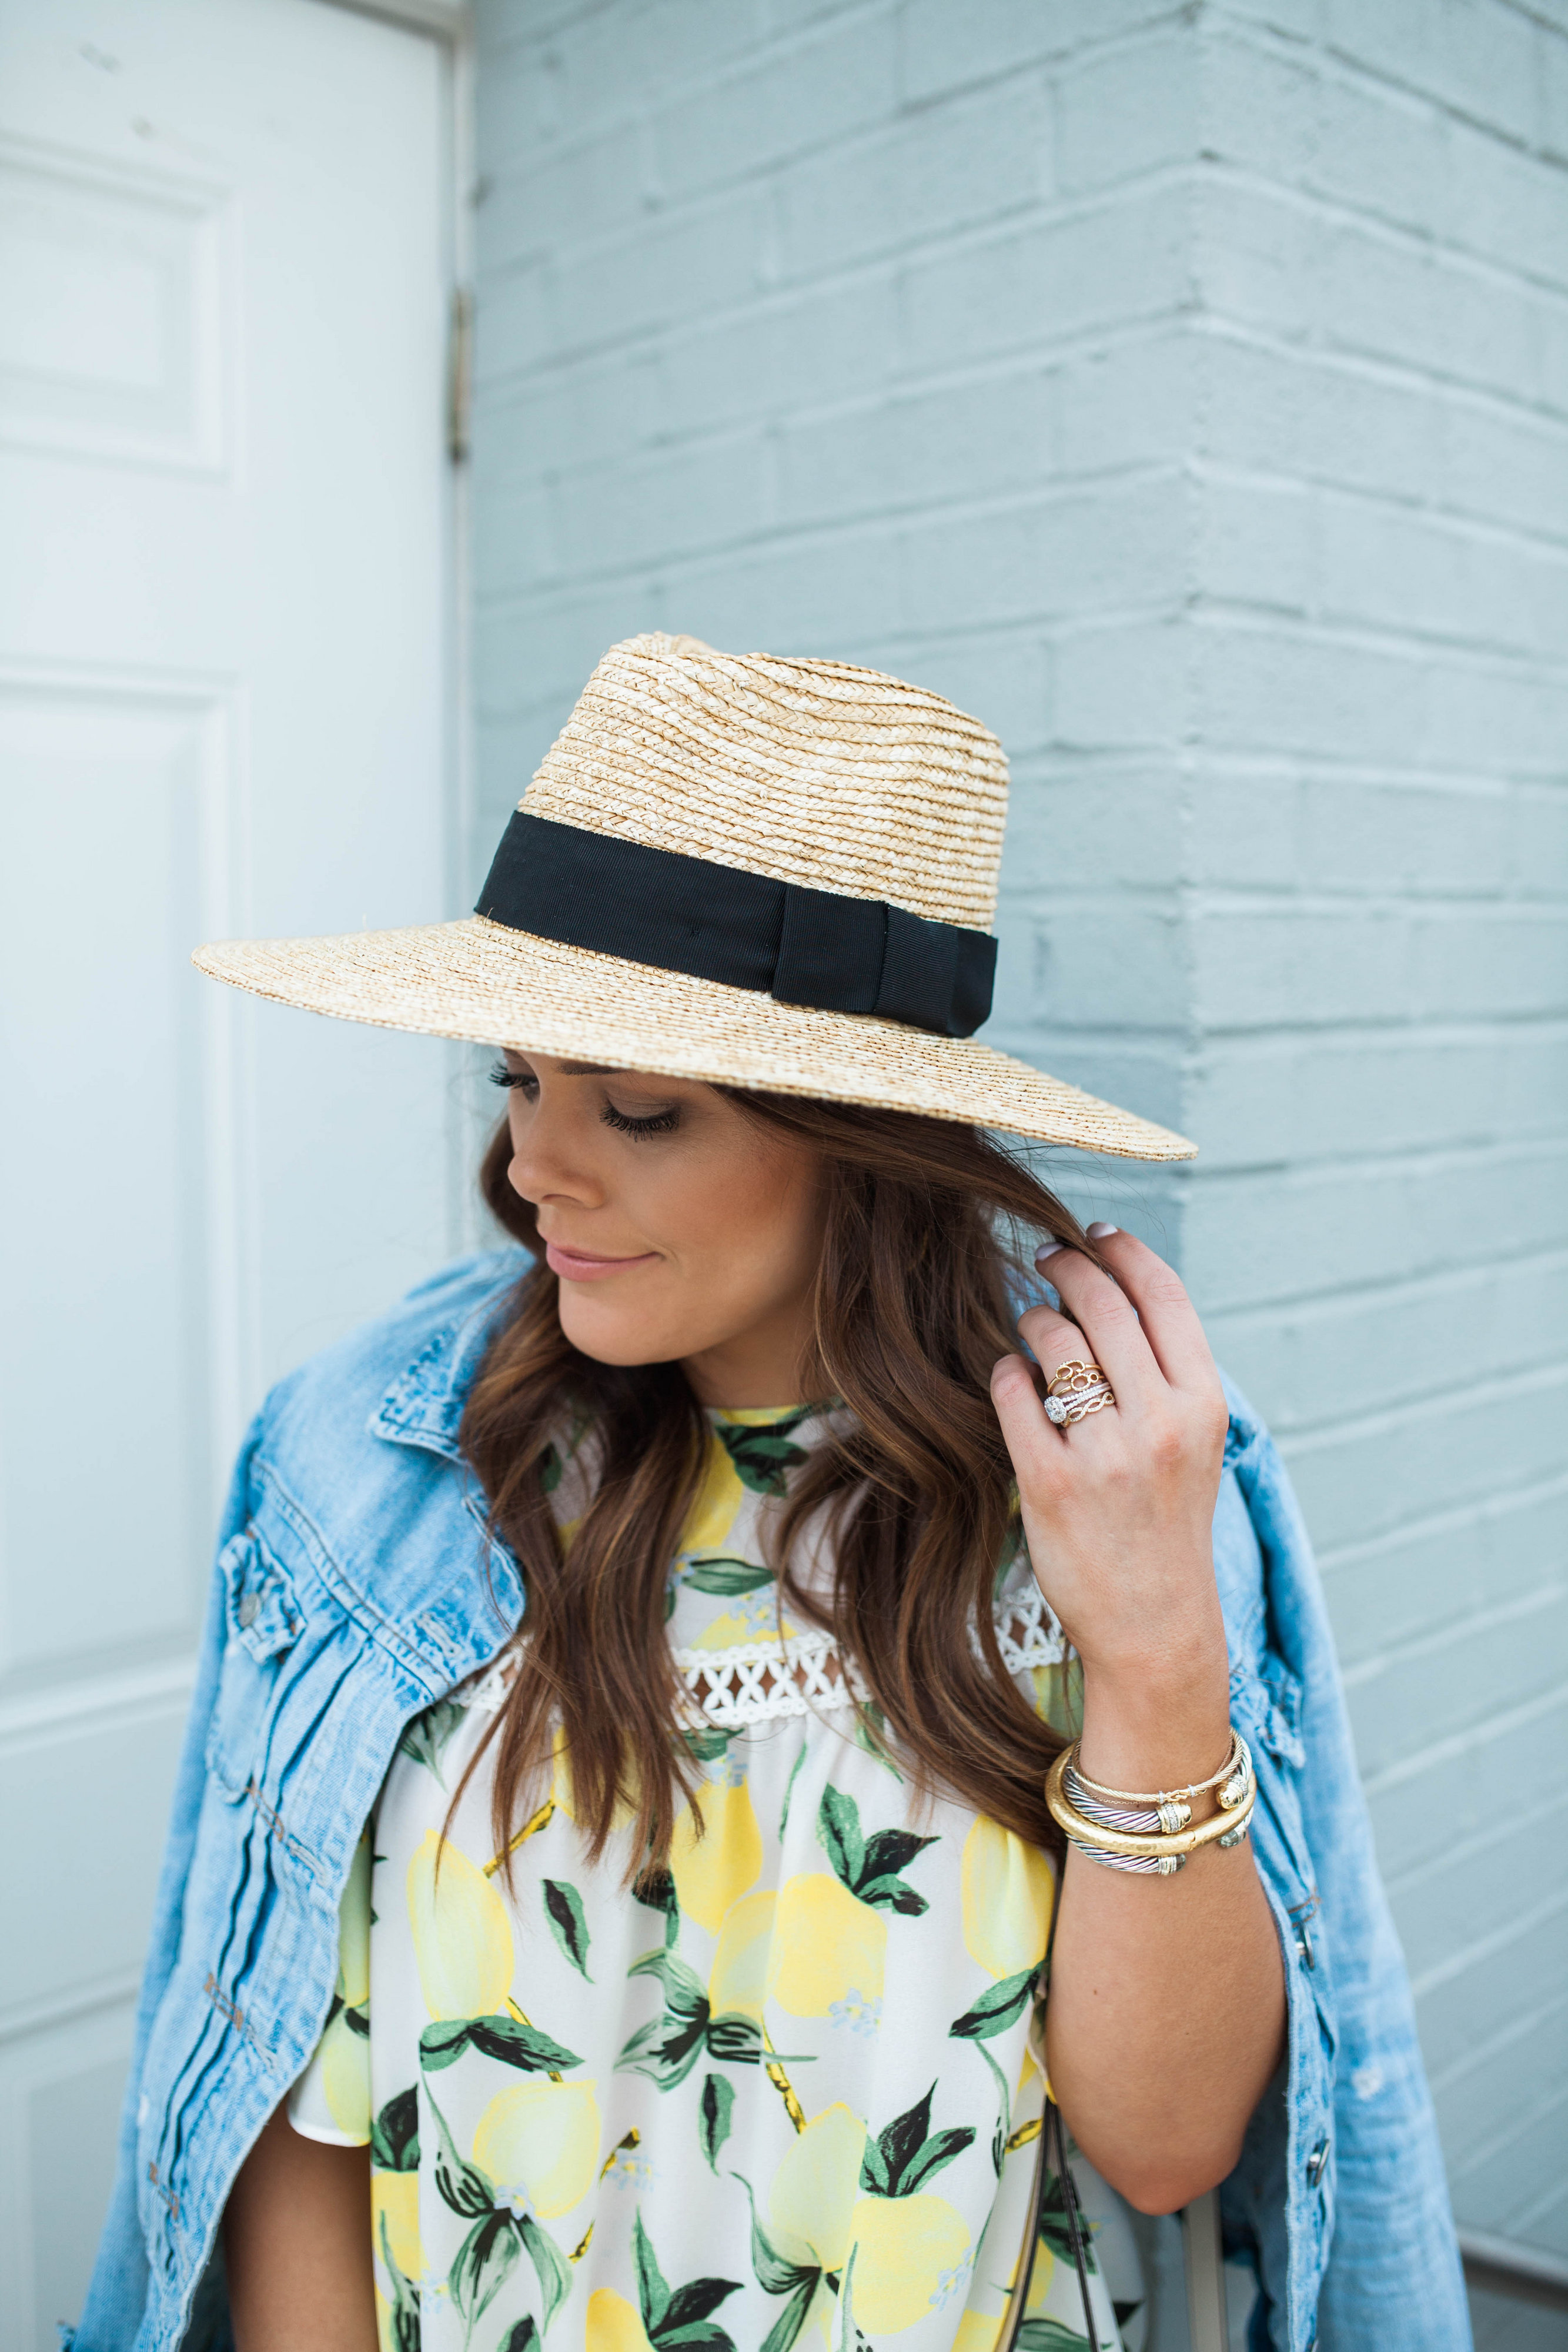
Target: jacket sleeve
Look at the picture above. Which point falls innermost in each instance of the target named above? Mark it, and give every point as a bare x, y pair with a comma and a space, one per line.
116, 2294
1392, 2278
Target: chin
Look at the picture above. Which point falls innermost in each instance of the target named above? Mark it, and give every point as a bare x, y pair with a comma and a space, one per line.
612, 1338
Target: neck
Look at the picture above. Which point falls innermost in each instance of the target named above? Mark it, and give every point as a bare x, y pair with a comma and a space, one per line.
758, 1366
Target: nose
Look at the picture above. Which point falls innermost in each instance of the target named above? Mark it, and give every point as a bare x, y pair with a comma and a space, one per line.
544, 1166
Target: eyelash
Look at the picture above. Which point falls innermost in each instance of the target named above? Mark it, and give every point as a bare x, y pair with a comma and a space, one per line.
659, 1122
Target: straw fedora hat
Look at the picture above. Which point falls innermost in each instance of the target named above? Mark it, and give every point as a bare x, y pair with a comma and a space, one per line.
759, 872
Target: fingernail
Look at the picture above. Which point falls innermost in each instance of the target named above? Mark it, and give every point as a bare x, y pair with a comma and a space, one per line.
1047, 1249
1101, 1232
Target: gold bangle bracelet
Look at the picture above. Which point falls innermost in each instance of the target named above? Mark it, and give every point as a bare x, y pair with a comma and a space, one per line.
1237, 1759
1084, 1831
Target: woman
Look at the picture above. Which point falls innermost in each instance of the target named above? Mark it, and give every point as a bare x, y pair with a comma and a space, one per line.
748, 1669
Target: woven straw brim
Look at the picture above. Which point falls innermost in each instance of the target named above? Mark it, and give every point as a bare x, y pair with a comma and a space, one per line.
494, 986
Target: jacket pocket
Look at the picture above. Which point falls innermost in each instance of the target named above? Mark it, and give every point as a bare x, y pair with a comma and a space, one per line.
262, 1623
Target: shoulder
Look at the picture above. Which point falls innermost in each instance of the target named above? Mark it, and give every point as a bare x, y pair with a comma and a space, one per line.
406, 1372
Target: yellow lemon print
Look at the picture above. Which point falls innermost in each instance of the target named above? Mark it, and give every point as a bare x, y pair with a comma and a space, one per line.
1040, 2284
461, 1937
354, 1931
1008, 1890
760, 1624
902, 2246
717, 1504
738, 1985
541, 2140
345, 2061
394, 2207
826, 1945
979, 2330
612, 2324
714, 1869
815, 2189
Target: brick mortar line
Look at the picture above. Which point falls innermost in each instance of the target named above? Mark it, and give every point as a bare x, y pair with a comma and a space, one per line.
1514, 2129
1204, 601
1455, 1964
1418, 1648
1351, 70
1043, 60
1380, 1294
1513, 2031
1499, 1388
1465, 527
1380, 367
1454, 1746
1436, 1526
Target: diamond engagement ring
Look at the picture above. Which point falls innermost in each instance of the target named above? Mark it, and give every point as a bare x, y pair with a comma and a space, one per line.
1074, 1390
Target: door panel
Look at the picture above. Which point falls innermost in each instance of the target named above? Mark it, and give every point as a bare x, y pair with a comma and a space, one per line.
225, 706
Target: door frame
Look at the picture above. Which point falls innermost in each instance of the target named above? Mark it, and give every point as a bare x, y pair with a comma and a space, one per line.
449, 23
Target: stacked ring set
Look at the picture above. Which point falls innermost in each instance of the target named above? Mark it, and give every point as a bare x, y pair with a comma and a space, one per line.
1074, 1390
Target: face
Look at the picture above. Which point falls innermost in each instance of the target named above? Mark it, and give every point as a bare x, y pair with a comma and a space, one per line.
683, 1231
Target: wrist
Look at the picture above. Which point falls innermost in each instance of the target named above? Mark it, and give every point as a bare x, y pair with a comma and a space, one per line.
1160, 1724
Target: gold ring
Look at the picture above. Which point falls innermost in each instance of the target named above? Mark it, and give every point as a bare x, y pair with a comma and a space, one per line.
1074, 1390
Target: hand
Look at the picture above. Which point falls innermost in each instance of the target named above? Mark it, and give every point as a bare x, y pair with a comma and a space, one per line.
1118, 1509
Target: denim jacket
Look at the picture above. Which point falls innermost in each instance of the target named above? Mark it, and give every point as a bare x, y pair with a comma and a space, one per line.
353, 1587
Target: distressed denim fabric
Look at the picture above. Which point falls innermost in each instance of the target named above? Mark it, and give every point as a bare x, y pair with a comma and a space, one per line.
353, 1586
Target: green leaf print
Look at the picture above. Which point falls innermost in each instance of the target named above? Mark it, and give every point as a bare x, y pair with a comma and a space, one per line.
727, 1579
550, 1468
1053, 2229
394, 2134
714, 2107
358, 2021
667, 2050
682, 2318
460, 2185
907, 2153
424, 1739
523, 2338
789, 1791
656, 1889
869, 1867
550, 2265
798, 2281
484, 2262
1050, 2335
995, 2010
764, 1457
707, 1746
505, 2038
871, 1733
403, 2330
568, 1922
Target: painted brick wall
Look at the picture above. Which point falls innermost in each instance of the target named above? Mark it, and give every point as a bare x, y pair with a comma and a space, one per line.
1186, 391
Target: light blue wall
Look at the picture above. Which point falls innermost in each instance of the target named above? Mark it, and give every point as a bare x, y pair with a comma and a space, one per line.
1186, 391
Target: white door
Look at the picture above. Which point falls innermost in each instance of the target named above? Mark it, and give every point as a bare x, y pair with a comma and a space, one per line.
224, 650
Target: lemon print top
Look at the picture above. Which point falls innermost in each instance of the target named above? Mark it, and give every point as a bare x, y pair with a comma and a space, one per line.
783, 2094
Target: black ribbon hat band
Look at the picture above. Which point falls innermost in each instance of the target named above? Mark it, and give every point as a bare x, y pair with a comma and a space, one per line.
658, 907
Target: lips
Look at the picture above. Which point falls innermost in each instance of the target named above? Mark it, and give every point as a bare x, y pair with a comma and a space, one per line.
589, 1266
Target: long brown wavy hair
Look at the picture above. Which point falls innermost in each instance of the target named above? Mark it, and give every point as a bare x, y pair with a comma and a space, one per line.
927, 1220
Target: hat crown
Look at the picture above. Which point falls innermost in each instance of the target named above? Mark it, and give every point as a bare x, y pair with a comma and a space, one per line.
815, 773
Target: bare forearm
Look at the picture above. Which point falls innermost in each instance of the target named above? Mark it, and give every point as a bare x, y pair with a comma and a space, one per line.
296, 2246
1166, 2009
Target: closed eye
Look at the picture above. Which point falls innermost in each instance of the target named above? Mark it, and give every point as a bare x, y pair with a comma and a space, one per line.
658, 1122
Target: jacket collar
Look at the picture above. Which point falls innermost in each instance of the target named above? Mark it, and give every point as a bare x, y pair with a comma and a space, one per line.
424, 1405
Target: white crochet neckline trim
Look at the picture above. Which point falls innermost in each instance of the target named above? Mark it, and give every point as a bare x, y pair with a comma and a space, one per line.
807, 1673
760, 1682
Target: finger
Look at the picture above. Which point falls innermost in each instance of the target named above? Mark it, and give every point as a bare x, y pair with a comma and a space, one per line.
1035, 1445
1107, 1330
1170, 1319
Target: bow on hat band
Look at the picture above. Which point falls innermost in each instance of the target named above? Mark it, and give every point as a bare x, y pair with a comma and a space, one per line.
619, 897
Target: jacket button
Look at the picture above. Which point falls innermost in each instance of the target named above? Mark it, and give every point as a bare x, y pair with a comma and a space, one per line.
247, 1608
1316, 2162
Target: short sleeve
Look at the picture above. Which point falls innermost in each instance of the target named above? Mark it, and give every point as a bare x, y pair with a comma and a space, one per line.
332, 2099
